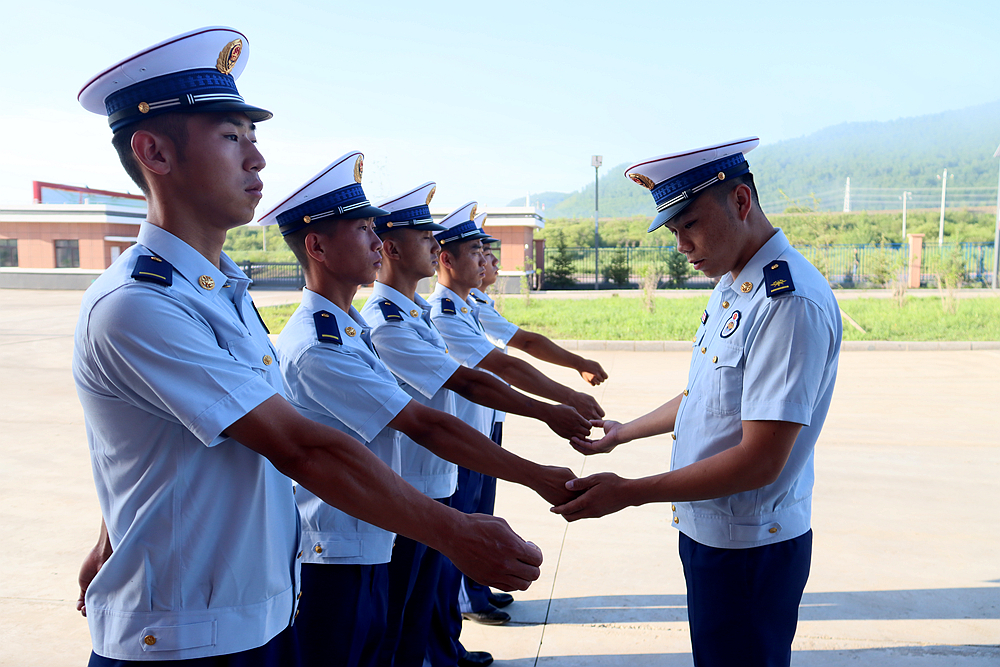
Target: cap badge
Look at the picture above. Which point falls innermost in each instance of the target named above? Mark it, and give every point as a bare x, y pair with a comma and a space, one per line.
359, 167
306, 219
746, 287
430, 195
644, 181
472, 215
229, 55
721, 176
143, 107
389, 224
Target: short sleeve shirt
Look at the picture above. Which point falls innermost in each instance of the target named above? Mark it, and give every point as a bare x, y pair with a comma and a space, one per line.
333, 376
467, 343
759, 357
413, 349
498, 329
204, 530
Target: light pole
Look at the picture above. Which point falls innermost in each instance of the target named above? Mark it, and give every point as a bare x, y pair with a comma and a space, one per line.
595, 162
944, 189
996, 234
905, 195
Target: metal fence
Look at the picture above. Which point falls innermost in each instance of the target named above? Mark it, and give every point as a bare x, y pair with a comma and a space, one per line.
843, 265
274, 276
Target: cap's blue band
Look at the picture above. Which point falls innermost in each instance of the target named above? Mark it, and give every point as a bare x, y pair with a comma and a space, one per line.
170, 92
334, 203
690, 183
406, 216
458, 232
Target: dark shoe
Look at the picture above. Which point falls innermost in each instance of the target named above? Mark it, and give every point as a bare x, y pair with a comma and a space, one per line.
499, 600
489, 616
475, 659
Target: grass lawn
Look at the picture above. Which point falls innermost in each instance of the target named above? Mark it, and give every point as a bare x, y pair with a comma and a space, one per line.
625, 318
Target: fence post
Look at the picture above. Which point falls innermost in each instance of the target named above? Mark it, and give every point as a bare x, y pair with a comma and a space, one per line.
915, 259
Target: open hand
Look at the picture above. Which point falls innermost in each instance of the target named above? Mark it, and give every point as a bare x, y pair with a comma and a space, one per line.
604, 445
602, 494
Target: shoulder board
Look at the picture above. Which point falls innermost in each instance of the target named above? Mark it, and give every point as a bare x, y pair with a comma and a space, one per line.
479, 299
390, 311
152, 269
778, 279
326, 328
259, 317
447, 306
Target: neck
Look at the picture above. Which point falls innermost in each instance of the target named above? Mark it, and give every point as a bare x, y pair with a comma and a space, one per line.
759, 233
339, 292
403, 282
201, 235
448, 281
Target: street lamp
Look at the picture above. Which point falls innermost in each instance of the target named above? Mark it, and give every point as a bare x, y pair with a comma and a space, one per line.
996, 234
595, 162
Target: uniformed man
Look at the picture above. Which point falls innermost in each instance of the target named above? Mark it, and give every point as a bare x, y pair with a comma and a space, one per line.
762, 373
461, 268
333, 375
477, 602
413, 349
190, 438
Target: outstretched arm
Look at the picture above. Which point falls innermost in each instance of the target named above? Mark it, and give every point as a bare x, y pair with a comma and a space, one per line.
755, 462
92, 564
541, 347
527, 378
454, 440
660, 420
345, 474
484, 389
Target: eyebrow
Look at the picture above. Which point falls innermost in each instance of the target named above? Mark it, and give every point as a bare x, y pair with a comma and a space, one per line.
238, 122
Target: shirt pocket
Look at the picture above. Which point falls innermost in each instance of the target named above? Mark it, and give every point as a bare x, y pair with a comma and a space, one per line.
246, 350
725, 391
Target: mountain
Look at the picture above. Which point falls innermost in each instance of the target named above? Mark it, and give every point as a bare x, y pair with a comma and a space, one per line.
881, 158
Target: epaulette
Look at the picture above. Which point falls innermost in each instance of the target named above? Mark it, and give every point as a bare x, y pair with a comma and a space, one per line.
479, 299
259, 317
777, 278
447, 306
390, 311
152, 269
327, 330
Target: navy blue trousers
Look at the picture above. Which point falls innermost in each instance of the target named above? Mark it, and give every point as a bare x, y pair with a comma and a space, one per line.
477, 593
743, 604
414, 572
281, 651
444, 648
342, 614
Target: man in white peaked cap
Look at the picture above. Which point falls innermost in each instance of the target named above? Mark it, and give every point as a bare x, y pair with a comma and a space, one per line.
763, 368
189, 435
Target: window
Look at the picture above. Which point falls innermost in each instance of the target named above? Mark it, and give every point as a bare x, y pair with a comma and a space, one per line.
68, 254
8, 252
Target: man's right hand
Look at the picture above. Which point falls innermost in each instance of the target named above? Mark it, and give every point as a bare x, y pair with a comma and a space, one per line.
611, 439
566, 422
490, 553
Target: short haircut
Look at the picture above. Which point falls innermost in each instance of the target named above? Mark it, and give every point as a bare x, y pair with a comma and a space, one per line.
171, 125
454, 248
722, 190
297, 240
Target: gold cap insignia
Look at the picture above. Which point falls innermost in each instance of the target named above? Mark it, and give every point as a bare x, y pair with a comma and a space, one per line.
644, 181
206, 282
143, 107
306, 219
388, 224
430, 195
350, 331
359, 168
722, 176
472, 216
746, 287
229, 55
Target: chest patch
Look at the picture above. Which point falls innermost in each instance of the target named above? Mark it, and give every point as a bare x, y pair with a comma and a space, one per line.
704, 317
390, 311
732, 324
326, 328
778, 279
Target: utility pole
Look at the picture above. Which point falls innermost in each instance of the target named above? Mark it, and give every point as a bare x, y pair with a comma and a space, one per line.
944, 189
847, 196
996, 234
905, 195
595, 162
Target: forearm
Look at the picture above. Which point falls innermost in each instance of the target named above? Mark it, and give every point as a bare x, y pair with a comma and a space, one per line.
542, 348
522, 375
484, 389
659, 421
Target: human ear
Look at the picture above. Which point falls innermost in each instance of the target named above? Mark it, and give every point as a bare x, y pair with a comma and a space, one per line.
153, 151
743, 199
389, 249
315, 247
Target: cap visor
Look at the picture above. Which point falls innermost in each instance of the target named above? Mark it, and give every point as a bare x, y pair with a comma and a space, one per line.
664, 216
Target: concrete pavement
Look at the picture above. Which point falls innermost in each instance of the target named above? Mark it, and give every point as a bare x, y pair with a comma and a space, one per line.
905, 570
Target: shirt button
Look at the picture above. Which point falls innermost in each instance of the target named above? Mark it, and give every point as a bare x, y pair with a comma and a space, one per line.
677, 519
704, 350
297, 613
725, 304
673, 435
299, 555
685, 392
772, 530
267, 360
715, 359
149, 640
299, 596
673, 508
318, 549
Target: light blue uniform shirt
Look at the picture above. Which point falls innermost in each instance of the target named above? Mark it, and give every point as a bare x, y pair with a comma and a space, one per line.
204, 530
778, 361
498, 329
344, 385
415, 352
468, 345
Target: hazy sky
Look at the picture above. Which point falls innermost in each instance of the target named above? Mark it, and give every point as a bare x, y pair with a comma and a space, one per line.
493, 100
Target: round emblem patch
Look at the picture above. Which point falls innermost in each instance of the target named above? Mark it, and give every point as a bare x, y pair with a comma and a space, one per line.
731, 325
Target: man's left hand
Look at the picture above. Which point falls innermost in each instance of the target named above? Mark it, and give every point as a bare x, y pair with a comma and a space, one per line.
602, 494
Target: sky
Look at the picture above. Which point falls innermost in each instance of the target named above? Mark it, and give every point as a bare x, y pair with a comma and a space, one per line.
496, 100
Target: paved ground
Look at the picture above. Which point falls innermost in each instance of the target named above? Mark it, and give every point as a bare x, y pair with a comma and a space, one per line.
907, 540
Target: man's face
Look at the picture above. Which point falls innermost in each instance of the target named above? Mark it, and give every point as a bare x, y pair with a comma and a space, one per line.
492, 267
220, 172
419, 251
709, 234
353, 251
468, 264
